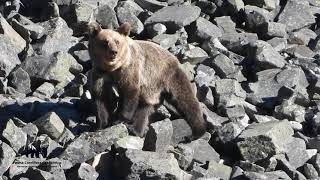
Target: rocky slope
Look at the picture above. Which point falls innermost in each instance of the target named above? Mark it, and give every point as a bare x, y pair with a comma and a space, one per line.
254, 65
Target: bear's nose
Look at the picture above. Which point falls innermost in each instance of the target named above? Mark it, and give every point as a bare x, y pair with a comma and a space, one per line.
114, 52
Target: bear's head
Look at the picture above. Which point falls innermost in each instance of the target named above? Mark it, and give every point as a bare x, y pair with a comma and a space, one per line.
107, 47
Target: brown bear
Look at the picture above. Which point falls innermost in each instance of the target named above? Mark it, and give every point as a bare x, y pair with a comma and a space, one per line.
143, 72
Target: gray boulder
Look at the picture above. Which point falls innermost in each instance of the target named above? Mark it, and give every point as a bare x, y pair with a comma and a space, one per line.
218, 170
206, 29
127, 16
296, 152
302, 37
151, 5
138, 164
19, 79
58, 36
236, 42
274, 29
87, 172
107, 17
263, 140
181, 131
166, 40
50, 124
58, 68
9, 58
175, 17
159, 136
17, 42
16, 137
266, 57
88, 144
46, 90
223, 66
296, 15
7, 158
267, 4
256, 17
203, 152
226, 24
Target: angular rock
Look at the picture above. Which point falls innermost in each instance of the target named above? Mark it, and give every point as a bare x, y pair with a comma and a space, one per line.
263, 140
66, 137
291, 111
184, 155
195, 55
188, 69
236, 42
88, 144
315, 160
59, 37
24, 26
9, 56
226, 24
156, 29
302, 37
284, 165
175, 17
235, 5
296, 152
57, 68
256, 17
203, 151
266, 57
206, 30
251, 167
267, 4
17, 42
143, 164
19, 79
151, 5
310, 172
213, 119
87, 172
205, 76
15, 136
107, 17
217, 170
278, 44
166, 40
274, 29
223, 66
127, 16
50, 124
46, 90
131, 6
296, 15
159, 136
52, 147
181, 131
300, 51
32, 131
131, 142
293, 77
7, 157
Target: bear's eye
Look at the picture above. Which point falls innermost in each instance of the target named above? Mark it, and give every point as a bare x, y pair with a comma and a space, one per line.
117, 41
104, 44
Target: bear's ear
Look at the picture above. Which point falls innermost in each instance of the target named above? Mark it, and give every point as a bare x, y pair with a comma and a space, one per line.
124, 29
94, 28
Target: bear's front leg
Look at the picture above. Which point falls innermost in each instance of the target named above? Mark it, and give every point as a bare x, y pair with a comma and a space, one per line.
129, 103
103, 98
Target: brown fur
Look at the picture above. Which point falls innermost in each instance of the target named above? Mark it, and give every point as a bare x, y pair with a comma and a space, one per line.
142, 71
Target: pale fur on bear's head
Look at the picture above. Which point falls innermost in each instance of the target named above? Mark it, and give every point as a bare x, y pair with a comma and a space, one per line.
108, 48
